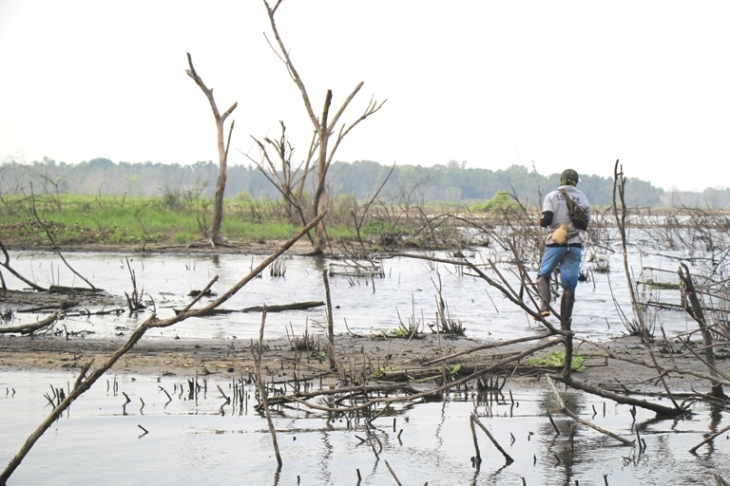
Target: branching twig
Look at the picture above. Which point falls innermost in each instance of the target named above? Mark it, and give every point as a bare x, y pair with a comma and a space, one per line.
83, 384
570, 414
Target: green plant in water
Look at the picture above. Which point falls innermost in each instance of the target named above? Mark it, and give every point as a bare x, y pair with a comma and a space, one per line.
556, 359
399, 332
381, 372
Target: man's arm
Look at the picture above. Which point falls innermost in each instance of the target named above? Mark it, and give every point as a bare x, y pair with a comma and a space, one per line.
547, 219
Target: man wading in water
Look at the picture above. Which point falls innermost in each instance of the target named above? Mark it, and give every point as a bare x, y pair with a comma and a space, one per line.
563, 246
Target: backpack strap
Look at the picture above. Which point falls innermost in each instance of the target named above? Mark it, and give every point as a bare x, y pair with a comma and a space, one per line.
568, 200
580, 223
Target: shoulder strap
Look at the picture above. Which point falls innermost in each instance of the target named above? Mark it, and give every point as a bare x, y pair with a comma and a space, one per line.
568, 200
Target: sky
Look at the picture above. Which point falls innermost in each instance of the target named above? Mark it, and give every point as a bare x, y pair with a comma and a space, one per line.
488, 84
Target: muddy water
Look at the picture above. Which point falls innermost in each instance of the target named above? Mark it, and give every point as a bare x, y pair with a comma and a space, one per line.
406, 293
203, 440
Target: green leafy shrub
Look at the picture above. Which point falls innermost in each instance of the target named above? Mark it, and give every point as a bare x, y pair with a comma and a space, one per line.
556, 359
500, 202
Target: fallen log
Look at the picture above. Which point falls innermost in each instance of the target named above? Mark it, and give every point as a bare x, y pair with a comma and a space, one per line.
101, 312
659, 409
60, 289
67, 304
564, 408
30, 328
260, 308
286, 307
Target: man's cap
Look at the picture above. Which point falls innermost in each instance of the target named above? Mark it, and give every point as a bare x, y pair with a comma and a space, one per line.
569, 177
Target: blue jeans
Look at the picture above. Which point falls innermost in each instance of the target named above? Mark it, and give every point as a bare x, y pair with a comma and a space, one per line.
568, 257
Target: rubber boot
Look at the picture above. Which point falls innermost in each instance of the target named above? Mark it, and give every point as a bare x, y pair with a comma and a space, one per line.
566, 305
543, 290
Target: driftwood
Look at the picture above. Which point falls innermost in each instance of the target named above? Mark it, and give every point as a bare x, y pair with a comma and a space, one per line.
374, 269
67, 304
661, 410
412, 394
569, 413
6, 265
30, 328
101, 312
285, 307
86, 379
709, 439
60, 289
269, 309
475, 420
488, 346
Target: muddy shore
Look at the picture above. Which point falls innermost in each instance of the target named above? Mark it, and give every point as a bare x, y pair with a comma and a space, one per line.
400, 358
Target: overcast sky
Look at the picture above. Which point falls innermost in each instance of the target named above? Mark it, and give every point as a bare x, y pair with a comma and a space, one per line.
551, 84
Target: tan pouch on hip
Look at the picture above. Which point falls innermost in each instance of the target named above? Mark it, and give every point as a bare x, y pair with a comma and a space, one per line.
560, 235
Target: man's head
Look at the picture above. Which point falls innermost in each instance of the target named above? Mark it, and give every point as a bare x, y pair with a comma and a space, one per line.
569, 177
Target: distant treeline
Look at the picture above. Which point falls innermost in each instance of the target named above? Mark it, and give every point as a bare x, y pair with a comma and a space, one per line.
408, 184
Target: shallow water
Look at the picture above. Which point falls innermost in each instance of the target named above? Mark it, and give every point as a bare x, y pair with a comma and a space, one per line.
407, 292
205, 441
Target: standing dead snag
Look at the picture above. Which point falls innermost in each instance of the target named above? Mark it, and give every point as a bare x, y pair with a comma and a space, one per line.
287, 180
324, 128
223, 145
475, 420
261, 386
691, 303
619, 184
84, 381
330, 323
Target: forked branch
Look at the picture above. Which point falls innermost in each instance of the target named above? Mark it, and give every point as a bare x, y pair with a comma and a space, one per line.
84, 382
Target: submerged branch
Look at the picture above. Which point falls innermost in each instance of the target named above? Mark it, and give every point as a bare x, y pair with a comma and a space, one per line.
569, 413
83, 384
30, 328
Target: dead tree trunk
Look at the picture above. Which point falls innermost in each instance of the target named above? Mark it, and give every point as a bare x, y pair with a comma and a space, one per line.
694, 308
323, 128
84, 381
289, 182
320, 193
223, 145
30, 328
619, 184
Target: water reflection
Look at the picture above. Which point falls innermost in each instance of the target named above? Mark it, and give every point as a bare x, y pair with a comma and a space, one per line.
201, 438
189, 440
407, 292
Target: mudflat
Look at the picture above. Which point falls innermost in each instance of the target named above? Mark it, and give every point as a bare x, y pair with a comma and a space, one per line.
620, 364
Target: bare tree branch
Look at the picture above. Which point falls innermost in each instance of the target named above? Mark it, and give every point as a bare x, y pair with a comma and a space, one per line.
82, 385
223, 146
